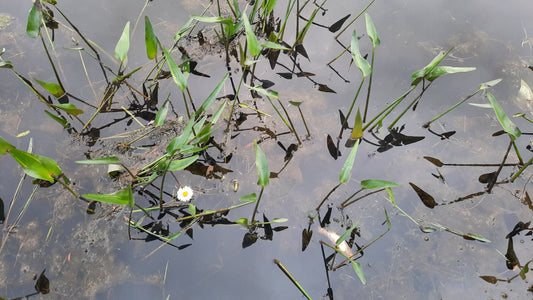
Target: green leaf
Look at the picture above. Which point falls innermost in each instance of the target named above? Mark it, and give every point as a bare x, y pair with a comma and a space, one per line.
63, 122
439, 71
371, 31
34, 21
242, 221
69, 108
295, 103
477, 237
377, 184
357, 131
183, 30
36, 166
123, 44
262, 91
269, 6
391, 196
250, 197
360, 62
488, 84
358, 271
212, 96
211, 19
161, 114
179, 78
253, 44
262, 166
100, 161
53, 88
506, 123
346, 171
6, 64
178, 142
150, 40
420, 74
180, 164
346, 234
192, 209
5, 146
122, 197
273, 45
218, 113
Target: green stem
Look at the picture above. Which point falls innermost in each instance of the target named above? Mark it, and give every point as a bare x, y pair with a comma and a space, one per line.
351, 108
522, 169
449, 109
369, 83
257, 204
305, 124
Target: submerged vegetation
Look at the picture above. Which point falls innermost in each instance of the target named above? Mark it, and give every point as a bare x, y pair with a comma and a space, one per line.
253, 36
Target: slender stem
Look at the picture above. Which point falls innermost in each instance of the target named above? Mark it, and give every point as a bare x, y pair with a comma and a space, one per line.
522, 169
449, 109
325, 198
257, 204
356, 17
284, 270
388, 109
369, 83
52, 63
290, 121
409, 106
351, 108
303, 119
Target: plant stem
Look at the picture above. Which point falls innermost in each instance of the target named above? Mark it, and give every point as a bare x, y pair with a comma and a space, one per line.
257, 204
325, 198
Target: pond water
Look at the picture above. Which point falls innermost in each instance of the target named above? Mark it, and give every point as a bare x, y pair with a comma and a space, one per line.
90, 256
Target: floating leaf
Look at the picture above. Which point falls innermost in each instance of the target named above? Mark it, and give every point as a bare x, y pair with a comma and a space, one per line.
123, 44
370, 184
346, 171
371, 31
150, 40
427, 229
426, 198
179, 78
34, 20
69, 108
360, 62
53, 88
100, 161
262, 166
253, 44
506, 123
36, 166
122, 197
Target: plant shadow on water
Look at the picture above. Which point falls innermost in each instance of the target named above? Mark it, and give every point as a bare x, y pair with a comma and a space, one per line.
260, 149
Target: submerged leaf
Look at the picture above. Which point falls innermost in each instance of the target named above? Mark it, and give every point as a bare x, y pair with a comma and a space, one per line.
249, 239
333, 150
434, 161
489, 279
34, 20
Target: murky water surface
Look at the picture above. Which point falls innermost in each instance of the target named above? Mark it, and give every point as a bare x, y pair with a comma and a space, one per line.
90, 256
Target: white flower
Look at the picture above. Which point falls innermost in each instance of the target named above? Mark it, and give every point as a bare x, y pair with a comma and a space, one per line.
185, 194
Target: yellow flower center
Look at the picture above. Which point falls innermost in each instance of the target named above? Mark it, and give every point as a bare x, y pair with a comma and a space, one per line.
184, 194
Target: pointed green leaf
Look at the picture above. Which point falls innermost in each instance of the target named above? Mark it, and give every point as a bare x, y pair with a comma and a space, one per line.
346, 234
212, 96
253, 44
262, 166
346, 171
357, 131
439, 71
250, 197
69, 108
6, 64
506, 123
34, 21
242, 221
391, 196
192, 209
179, 78
180, 164
63, 122
371, 31
36, 166
488, 84
477, 237
211, 19
262, 91
183, 30
100, 161
377, 184
161, 114
358, 271
420, 74
5, 146
273, 45
122, 197
360, 62
123, 44
53, 88
150, 40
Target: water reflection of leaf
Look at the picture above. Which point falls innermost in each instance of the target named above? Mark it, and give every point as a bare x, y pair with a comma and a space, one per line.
249, 239
306, 238
426, 198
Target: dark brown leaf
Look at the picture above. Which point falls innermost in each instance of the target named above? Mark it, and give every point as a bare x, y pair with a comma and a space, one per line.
488, 177
300, 49
337, 25
306, 238
434, 161
249, 239
324, 88
426, 198
43, 284
489, 279
268, 229
333, 150
273, 55
512, 259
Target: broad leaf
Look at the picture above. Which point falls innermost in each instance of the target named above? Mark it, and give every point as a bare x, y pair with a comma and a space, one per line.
370, 184
179, 78
5, 146
357, 131
371, 31
34, 21
273, 45
36, 166
262, 166
161, 114
122, 197
346, 171
506, 123
420, 74
123, 44
248, 198
53, 88
69, 108
360, 62
253, 44
150, 40
180, 164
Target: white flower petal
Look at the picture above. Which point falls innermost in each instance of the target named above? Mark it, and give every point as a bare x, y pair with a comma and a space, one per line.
185, 194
